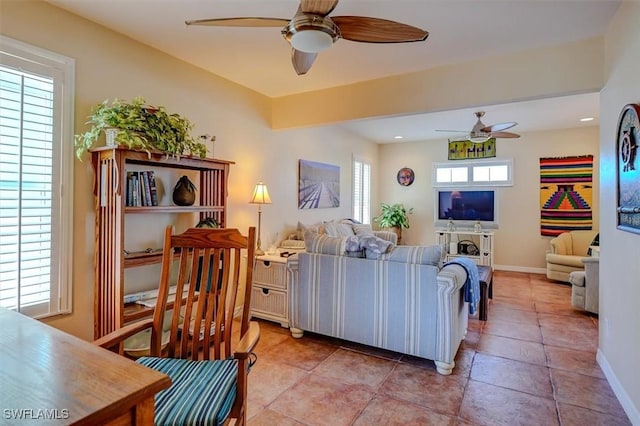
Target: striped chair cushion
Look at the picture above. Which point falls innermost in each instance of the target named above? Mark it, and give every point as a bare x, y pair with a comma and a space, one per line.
201, 393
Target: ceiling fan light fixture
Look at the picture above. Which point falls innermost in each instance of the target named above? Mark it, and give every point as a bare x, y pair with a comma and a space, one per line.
311, 41
479, 139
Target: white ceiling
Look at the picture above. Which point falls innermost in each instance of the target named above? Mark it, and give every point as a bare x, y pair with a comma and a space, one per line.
460, 31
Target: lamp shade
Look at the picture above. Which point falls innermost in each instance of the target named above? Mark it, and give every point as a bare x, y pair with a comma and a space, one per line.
260, 194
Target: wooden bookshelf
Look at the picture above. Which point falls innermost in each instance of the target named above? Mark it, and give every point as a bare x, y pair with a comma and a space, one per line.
110, 166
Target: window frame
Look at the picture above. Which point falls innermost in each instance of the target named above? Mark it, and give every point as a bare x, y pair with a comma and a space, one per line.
470, 167
61, 69
361, 209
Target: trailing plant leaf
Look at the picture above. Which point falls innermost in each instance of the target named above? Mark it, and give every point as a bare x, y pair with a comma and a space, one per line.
141, 127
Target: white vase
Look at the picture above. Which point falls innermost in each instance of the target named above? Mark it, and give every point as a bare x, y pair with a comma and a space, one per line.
111, 135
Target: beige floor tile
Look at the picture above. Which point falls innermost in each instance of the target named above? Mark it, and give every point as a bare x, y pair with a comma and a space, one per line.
302, 353
570, 415
573, 360
267, 380
513, 330
577, 322
356, 368
489, 405
316, 400
426, 388
586, 392
507, 314
516, 375
388, 411
565, 309
268, 417
580, 339
519, 350
512, 303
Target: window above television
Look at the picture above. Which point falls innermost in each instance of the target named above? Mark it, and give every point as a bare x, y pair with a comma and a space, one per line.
473, 173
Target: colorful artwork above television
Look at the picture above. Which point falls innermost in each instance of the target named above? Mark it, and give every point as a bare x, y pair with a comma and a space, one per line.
466, 207
466, 150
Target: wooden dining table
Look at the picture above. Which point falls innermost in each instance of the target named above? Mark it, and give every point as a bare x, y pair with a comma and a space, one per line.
50, 377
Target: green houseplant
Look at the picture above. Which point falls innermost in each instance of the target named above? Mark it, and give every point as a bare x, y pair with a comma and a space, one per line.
141, 127
394, 217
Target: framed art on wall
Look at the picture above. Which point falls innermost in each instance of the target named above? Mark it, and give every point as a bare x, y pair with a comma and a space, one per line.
318, 185
628, 177
405, 176
466, 150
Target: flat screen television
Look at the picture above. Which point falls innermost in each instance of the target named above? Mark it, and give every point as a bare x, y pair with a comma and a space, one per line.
466, 206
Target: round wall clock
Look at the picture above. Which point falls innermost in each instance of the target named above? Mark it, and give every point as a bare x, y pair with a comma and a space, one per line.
628, 136
405, 176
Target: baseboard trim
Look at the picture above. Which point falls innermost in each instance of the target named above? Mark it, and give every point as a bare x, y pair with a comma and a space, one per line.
627, 404
512, 268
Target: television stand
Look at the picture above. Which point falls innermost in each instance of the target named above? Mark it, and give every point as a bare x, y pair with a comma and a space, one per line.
456, 241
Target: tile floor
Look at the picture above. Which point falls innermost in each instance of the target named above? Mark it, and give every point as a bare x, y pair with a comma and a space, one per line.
532, 363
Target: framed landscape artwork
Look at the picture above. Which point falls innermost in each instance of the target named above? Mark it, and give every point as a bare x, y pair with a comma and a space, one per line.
318, 185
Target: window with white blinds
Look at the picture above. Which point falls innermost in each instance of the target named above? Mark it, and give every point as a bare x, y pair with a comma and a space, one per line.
36, 159
361, 191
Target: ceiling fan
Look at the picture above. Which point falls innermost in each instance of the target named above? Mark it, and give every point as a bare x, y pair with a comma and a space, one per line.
311, 30
481, 133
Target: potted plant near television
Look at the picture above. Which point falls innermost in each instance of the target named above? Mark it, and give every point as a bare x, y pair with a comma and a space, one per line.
139, 126
394, 217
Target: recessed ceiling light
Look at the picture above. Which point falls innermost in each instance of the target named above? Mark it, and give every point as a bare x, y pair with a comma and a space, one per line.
586, 119
398, 137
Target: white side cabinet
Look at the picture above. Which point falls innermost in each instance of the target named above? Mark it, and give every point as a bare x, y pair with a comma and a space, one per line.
482, 240
270, 292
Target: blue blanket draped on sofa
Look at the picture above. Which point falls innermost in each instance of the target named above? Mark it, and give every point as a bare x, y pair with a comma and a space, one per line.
472, 285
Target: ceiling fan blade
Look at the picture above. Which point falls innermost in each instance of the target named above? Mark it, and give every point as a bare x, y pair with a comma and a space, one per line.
240, 22
302, 61
376, 30
507, 135
498, 127
318, 7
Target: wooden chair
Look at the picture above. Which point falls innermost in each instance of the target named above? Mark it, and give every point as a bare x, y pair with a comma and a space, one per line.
209, 381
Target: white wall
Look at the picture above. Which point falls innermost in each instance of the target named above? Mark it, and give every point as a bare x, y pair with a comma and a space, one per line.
619, 347
518, 243
109, 65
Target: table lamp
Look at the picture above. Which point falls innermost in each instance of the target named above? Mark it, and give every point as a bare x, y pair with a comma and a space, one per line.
260, 197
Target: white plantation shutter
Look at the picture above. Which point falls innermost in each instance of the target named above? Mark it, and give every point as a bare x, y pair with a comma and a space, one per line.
35, 165
361, 191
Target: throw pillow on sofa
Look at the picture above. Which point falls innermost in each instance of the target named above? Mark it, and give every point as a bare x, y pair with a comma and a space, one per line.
337, 229
324, 244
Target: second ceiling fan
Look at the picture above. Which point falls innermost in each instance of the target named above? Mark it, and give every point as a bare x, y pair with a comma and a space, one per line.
311, 30
481, 133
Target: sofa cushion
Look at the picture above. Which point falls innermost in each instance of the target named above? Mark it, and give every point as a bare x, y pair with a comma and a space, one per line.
565, 259
361, 229
324, 244
387, 235
317, 228
337, 229
422, 255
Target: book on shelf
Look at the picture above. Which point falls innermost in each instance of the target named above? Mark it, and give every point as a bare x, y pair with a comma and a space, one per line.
154, 188
141, 189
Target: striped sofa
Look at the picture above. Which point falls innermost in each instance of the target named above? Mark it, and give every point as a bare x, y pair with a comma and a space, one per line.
401, 302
